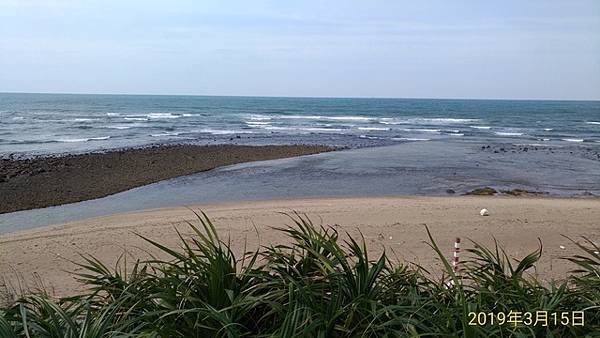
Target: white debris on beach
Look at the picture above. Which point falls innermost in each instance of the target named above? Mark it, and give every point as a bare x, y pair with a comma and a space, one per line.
484, 212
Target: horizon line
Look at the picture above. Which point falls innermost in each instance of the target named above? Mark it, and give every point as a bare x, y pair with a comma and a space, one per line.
308, 97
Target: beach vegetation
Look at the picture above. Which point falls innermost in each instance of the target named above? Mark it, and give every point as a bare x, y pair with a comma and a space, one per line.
320, 283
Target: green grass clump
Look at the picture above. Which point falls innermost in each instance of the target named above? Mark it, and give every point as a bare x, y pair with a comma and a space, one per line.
319, 285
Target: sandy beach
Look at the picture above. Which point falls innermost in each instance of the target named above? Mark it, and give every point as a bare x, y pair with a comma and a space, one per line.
396, 223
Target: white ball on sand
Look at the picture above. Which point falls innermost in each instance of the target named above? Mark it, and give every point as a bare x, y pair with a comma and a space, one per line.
484, 212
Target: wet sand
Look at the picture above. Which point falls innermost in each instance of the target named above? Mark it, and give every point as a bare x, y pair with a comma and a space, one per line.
49, 181
396, 223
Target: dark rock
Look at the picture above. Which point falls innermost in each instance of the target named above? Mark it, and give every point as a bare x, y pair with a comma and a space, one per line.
487, 191
450, 191
48, 181
522, 192
38, 171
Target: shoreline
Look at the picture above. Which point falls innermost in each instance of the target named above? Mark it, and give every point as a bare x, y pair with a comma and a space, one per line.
394, 223
418, 168
46, 181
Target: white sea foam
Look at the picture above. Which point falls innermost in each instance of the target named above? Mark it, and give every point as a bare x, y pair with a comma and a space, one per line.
224, 131
409, 139
444, 120
258, 117
373, 128
165, 134
303, 129
436, 131
481, 127
425, 121
18, 118
267, 127
332, 118
422, 130
573, 139
367, 137
300, 117
133, 118
502, 133
83, 120
548, 129
392, 121
531, 145
162, 116
257, 123
72, 140
119, 127
187, 115
455, 134
349, 118
593, 122
326, 130
113, 114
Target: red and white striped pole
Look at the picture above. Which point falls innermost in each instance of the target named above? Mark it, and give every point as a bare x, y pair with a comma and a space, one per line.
456, 255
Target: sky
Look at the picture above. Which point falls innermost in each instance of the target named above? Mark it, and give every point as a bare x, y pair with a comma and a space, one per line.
337, 48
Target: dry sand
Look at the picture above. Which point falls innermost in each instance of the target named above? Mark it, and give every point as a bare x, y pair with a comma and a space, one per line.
45, 254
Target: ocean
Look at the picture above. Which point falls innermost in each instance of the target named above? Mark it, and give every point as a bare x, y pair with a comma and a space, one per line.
33, 124
396, 146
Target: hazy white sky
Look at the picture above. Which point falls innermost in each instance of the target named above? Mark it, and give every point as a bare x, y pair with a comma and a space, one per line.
439, 49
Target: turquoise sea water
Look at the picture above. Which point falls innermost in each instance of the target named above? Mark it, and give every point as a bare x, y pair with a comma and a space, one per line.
56, 123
